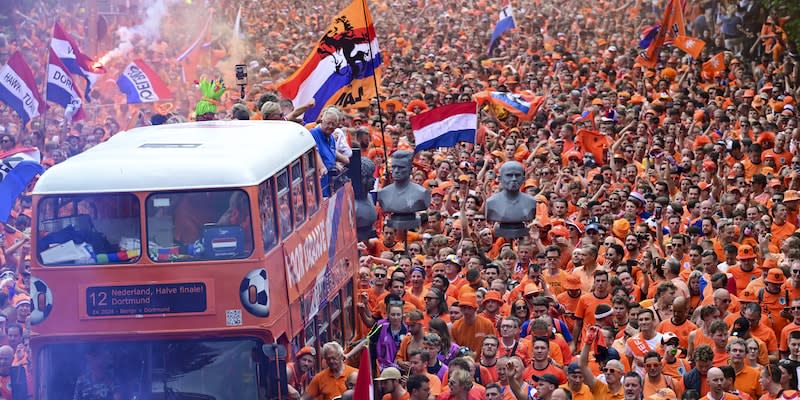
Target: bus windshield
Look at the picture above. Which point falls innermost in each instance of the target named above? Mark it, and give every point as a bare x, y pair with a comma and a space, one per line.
199, 225
89, 229
150, 370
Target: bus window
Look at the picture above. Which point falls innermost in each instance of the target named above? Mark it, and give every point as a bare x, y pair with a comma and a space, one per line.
309, 334
297, 193
199, 225
173, 369
266, 205
89, 229
336, 319
312, 196
323, 329
284, 204
349, 315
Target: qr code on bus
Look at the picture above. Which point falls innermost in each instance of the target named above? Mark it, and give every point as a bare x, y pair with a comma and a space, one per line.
233, 317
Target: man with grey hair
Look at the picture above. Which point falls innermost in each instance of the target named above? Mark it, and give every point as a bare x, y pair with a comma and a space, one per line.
326, 147
330, 382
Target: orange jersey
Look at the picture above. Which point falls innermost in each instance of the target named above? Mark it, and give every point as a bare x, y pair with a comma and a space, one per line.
682, 331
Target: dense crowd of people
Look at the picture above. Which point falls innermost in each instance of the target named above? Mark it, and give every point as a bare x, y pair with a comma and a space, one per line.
666, 268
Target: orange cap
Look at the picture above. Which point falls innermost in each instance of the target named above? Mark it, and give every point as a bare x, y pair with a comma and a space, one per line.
775, 275
573, 282
745, 252
468, 300
492, 295
748, 296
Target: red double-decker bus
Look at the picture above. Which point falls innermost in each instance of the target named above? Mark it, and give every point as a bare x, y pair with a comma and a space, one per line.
187, 262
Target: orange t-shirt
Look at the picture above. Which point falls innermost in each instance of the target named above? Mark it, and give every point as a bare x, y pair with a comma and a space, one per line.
408, 298
682, 331
324, 386
570, 304
700, 339
435, 384
555, 282
650, 388
720, 357
471, 335
677, 369
763, 332
783, 343
781, 232
747, 381
742, 277
388, 396
523, 351
530, 372
725, 395
586, 306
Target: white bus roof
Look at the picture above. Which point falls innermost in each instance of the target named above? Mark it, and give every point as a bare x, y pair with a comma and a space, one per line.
197, 155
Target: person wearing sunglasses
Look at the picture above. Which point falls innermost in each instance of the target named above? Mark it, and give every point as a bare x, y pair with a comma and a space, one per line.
613, 370
7, 142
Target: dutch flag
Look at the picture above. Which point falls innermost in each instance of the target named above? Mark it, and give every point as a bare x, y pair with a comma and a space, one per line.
504, 23
61, 89
18, 88
65, 47
142, 85
445, 126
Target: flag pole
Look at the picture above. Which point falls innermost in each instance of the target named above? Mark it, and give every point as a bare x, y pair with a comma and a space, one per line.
377, 94
44, 82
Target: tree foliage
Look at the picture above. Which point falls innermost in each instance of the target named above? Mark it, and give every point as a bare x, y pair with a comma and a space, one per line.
787, 8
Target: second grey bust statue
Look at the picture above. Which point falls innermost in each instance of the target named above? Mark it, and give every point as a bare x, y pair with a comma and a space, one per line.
510, 207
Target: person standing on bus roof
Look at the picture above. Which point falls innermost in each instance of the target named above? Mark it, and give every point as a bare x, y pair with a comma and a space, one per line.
326, 146
330, 382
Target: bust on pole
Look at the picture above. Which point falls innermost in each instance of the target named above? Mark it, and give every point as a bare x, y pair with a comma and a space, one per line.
511, 208
403, 199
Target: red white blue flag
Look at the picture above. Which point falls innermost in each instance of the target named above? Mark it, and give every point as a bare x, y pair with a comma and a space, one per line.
504, 23
61, 89
66, 48
18, 88
142, 85
445, 126
343, 69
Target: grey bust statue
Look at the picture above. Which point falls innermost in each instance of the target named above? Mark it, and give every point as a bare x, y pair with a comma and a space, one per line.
365, 210
510, 207
403, 198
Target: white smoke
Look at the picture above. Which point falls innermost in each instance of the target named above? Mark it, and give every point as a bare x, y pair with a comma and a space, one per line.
148, 30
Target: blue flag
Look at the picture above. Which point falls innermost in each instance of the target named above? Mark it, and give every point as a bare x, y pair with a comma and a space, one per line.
16, 171
504, 23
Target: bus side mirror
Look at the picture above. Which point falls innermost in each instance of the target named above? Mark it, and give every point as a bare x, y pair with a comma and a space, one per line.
274, 351
274, 373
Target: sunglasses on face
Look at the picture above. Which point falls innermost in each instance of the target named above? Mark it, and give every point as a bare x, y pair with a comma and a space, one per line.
609, 370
